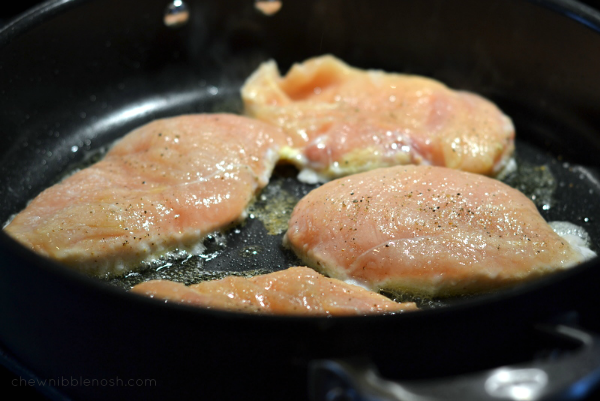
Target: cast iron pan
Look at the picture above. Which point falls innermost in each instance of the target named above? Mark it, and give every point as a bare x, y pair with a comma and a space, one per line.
76, 75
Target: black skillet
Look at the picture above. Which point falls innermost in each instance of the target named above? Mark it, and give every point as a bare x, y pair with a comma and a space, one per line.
75, 75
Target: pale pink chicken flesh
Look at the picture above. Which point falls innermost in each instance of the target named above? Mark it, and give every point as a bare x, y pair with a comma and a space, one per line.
295, 291
430, 231
165, 185
342, 120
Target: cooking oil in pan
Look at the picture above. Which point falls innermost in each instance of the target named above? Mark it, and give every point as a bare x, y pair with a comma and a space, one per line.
251, 251
535, 181
184, 267
273, 207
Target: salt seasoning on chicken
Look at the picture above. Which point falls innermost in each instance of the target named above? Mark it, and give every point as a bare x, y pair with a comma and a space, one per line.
341, 120
294, 291
165, 185
429, 231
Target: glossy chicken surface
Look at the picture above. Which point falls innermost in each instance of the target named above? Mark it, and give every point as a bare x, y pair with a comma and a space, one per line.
295, 291
341, 120
426, 230
165, 185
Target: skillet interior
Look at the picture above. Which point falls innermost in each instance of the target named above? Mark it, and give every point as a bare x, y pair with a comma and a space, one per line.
76, 80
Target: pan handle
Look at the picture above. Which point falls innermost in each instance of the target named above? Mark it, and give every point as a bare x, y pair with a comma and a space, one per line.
568, 377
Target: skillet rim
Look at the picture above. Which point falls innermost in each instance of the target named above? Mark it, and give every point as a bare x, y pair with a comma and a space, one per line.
33, 17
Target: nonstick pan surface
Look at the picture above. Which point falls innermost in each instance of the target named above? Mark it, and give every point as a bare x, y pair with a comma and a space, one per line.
76, 75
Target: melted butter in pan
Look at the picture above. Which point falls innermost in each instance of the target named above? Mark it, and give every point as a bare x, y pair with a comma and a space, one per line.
273, 208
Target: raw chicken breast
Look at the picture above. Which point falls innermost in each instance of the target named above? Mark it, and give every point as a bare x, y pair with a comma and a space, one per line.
163, 186
430, 231
341, 120
295, 291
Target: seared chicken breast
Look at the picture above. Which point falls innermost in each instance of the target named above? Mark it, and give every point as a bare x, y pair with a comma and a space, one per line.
295, 291
341, 120
165, 185
430, 231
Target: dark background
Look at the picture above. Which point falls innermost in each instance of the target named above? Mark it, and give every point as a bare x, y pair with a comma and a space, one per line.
11, 9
